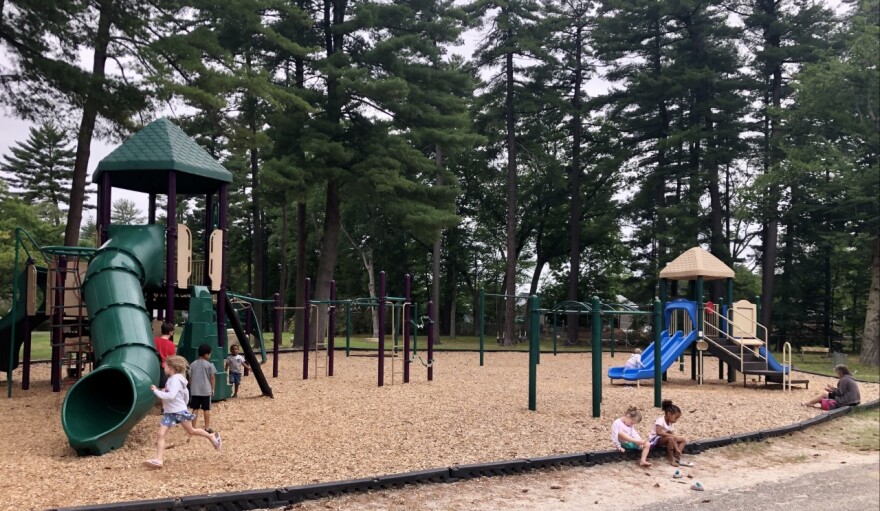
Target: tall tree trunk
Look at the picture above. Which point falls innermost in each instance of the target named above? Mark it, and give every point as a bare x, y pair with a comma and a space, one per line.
575, 213
510, 268
771, 226
789, 239
330, 236
285, 236
436, 252
257, 215
870, 355
301, 244
718, 244
87, 125
367, 258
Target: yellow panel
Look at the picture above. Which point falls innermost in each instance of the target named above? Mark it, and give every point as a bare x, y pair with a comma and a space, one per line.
184, 256
215, 259
744, 319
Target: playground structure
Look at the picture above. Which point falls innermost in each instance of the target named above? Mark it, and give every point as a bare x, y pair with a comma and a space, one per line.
730, 333
404, 318
105, 304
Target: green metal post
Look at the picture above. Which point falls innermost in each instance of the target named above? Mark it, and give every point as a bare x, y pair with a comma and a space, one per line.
611, 324
482, 323
395, 317
664, 295
534, 347
15, 294
597, 357
555, 333
658, 373
700, 313
348, 329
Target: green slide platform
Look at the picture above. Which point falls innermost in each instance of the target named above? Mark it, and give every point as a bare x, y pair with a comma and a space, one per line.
102, 407
6, 322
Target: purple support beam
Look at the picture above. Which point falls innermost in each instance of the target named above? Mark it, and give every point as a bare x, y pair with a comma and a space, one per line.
58, 328
381, 357
276, 344
430, 341
331, 328
209, 226
221, 295
307, 317
171, 246
26, 363
407, 317
104, 207
151, 209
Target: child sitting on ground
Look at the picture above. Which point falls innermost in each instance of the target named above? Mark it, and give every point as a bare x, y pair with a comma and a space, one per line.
625, 437
234, 363
663, 433
635, 361
174, 398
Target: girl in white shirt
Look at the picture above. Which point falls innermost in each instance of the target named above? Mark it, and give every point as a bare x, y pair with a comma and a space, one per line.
663, 433
174, 398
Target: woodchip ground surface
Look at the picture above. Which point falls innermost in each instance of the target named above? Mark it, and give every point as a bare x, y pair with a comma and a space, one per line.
346, 427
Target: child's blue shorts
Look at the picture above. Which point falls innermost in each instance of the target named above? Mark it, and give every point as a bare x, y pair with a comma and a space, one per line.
234, 378
173, 419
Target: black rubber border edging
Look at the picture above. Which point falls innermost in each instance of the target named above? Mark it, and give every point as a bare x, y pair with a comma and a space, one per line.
279, 497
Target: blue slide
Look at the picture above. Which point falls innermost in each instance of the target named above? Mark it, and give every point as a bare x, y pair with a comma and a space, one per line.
671, 349
771, 362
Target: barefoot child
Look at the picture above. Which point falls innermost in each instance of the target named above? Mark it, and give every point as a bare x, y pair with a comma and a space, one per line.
234, 363
174, 397
663, 433
625, 437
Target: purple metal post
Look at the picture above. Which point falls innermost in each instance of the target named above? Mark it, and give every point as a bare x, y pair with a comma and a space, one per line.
58, 330
209, 226
151, 209
381, 356
331, 328
276, 345
306, 320
171, 246
430, 341
104, 207
221, 295
407, 317
26, 363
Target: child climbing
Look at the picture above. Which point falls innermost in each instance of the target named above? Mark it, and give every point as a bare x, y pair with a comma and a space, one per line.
635, 361
663, 433
234, 363
174, 411
625, 437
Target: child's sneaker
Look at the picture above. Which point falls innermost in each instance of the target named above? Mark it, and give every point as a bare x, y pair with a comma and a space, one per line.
677, 475
217, 441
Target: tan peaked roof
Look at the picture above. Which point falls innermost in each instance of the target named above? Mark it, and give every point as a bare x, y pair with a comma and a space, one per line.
694, 263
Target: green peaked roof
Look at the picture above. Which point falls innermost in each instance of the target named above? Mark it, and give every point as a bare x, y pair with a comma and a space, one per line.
143, 161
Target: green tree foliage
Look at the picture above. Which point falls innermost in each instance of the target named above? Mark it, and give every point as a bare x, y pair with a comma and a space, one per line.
126, 212
42, 167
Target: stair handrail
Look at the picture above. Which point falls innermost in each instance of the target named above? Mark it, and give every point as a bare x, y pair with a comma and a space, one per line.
786, 356
735, 340
741, 355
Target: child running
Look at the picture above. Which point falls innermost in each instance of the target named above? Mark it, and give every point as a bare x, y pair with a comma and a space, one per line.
174, 398
663, 433
202, 375
234, 363
635, 361
625, 437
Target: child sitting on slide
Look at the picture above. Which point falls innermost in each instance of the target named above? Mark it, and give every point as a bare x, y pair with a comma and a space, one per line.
663, 434
625, 437
635, 361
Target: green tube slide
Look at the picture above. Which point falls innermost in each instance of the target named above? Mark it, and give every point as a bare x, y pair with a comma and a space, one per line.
101, 408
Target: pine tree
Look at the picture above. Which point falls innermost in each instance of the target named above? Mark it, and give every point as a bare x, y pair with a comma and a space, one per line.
42, 167
512, 40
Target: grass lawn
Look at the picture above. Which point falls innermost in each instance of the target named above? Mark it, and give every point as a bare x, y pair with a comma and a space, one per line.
823, 364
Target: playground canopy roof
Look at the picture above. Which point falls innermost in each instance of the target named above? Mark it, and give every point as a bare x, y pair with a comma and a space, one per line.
694, 263
142, 162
